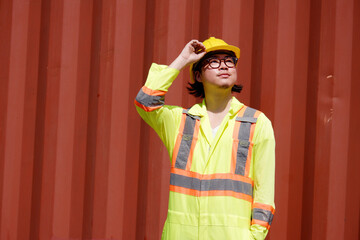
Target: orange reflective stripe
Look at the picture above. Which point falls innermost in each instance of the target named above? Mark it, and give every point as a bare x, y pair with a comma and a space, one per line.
257, 113
186, 191
264, 206
228, 194
242, 111
252, 130
193, 144
261, 223
235, 146
153, 92
146, 108
178, 140
236, 140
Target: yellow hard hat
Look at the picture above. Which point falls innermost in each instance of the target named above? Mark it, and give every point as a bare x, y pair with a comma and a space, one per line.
215, 44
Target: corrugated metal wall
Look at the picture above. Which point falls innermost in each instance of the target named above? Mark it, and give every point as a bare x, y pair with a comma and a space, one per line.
76, 161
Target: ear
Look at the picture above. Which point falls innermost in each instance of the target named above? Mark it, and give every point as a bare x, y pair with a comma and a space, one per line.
197, 76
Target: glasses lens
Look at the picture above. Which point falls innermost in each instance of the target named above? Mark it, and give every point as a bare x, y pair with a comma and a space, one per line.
216, 62
230, 62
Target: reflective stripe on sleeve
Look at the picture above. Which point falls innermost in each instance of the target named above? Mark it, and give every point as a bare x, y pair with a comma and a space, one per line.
150, 100
262, 214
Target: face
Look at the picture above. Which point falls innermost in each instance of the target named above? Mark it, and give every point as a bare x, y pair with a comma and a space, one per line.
215, 76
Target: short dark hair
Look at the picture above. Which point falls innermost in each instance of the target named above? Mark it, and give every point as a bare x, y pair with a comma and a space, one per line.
196, 88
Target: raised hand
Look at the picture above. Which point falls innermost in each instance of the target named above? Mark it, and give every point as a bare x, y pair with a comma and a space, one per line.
192, 52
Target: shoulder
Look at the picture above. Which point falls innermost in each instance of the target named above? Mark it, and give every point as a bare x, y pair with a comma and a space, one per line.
262, 118
263, 129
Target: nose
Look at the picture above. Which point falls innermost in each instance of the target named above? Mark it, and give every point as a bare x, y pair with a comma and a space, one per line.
223, 65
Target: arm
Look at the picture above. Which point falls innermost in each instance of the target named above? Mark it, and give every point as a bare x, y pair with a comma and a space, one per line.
150, 99
192, 52
264, 179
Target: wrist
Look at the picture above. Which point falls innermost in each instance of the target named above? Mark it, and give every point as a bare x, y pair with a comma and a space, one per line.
179, 63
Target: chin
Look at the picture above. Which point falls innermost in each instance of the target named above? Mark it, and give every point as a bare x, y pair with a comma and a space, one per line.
226, 86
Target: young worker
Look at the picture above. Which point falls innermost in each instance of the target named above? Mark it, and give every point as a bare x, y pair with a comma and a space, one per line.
222, 152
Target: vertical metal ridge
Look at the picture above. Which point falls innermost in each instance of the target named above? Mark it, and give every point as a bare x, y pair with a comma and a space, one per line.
92, 118
6, 12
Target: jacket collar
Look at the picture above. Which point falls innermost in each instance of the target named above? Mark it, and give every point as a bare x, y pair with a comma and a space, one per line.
201, 110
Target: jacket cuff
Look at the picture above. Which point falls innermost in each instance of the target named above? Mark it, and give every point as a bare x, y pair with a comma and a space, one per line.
262, 214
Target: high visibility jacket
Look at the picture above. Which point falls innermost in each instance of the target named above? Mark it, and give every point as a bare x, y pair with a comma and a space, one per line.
221, 187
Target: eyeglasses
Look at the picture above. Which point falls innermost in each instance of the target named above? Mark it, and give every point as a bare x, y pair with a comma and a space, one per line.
215, 63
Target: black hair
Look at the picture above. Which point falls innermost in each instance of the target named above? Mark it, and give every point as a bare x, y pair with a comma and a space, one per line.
196, 88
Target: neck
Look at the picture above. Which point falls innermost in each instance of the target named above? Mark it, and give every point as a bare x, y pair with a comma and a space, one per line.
217, 103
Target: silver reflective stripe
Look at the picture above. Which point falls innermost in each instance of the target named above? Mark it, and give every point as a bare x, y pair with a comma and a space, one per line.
190, 115
243, 136
186, 140
185, 182
246, 119
149, 100
263, 215
211, 184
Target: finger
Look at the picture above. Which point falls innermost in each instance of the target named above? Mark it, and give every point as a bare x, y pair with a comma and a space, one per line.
196, 43
196, 46
201, 54
200, 47
193, 43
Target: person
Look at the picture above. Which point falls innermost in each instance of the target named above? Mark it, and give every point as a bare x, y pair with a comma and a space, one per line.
222, 152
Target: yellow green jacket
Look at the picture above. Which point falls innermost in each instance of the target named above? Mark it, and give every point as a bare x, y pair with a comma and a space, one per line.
212, 215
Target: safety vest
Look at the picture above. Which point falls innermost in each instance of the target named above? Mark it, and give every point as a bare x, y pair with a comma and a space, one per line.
236, 183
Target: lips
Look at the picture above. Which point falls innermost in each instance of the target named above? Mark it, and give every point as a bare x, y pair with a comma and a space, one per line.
224, 75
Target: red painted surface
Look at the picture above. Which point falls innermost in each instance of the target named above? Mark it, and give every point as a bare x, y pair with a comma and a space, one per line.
77, 162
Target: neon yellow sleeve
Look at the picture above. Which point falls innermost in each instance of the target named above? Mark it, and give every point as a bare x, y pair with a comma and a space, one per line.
164, 119
264, 178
